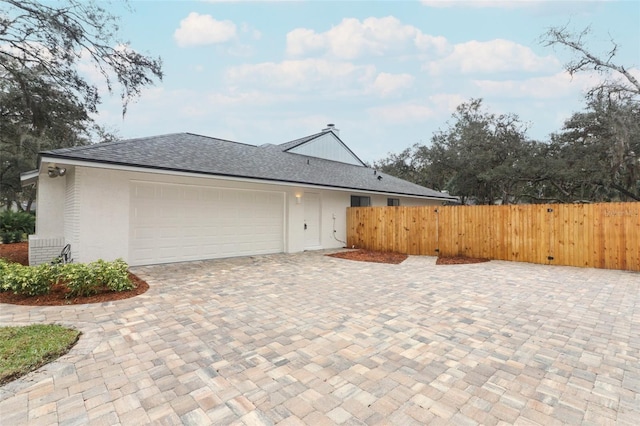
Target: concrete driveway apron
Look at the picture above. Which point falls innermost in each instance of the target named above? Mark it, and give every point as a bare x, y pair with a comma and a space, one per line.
309, 339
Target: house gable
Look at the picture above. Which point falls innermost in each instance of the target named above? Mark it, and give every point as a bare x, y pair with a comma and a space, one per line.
328, 146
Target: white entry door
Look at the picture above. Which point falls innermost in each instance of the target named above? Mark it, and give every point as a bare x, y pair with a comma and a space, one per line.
311, 221
174, 223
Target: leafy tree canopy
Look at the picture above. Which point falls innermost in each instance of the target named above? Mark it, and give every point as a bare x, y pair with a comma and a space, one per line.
53, 38
45, 101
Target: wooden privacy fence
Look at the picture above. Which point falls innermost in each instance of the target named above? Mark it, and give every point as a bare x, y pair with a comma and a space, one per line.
605, 235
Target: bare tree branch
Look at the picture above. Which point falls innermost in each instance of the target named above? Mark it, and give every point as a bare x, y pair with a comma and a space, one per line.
589, 61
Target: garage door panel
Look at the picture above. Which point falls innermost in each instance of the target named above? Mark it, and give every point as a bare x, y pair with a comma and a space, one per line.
172, 223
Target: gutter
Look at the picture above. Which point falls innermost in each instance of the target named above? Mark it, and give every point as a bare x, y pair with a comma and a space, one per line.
29, 178
156, 169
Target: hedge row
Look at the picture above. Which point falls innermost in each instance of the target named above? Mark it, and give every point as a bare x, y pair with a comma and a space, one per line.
81, 279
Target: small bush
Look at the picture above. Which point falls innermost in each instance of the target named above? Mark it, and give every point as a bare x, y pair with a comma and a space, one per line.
27, 280
114, 275
4, 269
13, 225
6, 237
81, 279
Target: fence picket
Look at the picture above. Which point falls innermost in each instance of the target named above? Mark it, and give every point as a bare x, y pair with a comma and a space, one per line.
605, 235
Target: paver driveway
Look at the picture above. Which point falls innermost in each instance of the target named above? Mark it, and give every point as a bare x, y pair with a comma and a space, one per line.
308, 339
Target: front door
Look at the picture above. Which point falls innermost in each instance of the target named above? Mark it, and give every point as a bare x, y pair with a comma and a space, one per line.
311, 220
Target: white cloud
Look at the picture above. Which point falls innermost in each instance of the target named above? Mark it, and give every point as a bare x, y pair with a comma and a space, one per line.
401, 113
199, 30
246, 28
353, 38
447, 102
504, 4
387, 84
303, 75
334, 78
548, 87
497, 55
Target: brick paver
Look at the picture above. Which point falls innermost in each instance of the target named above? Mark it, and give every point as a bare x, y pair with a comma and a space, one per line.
309, 339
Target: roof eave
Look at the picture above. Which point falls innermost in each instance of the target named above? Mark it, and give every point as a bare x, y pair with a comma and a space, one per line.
29, 178
231, 176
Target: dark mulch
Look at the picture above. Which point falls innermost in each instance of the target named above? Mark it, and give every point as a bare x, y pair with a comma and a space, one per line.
459, 260
396, 258
19, 252
15, 252
371, 256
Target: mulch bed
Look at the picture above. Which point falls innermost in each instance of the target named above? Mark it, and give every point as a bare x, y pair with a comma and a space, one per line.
459, 260
58, 296
15, 252
371, 256
397, 258
19, 252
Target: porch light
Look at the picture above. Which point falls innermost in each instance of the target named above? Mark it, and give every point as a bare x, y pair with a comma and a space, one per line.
298, 198
54, 172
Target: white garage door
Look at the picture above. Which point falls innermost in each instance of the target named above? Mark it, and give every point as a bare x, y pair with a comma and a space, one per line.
173, 223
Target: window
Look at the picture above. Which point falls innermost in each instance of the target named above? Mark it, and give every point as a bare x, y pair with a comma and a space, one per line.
393, 201
358, 201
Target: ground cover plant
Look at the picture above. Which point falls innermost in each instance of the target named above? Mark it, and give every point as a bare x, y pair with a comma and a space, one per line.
24, 349
74, 283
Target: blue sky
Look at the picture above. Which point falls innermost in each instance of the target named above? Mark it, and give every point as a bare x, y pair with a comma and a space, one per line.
388, 74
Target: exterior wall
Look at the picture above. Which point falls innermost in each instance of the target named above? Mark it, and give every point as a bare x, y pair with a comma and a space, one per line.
44, 250
72, 212
51, 196
93, 212
328, 147
105, 212
49, 240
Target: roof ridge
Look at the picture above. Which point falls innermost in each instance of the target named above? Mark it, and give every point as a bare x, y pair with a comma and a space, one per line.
296, 142
111, 143
218, 139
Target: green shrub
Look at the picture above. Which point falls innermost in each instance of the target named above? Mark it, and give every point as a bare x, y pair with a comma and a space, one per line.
16, 224
6, 237
27, 280
80, 278
4, 269
113, 275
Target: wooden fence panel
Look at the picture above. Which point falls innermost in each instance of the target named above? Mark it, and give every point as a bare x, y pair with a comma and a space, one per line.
603, 235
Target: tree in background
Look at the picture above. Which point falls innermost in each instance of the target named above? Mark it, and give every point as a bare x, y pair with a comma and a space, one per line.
484, 158
481, 157
618, 81
597, 155
599, 146
45, 102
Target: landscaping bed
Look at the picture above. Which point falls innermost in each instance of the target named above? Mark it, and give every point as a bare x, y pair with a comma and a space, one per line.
371, 256
362, 255
15, 252
59, 294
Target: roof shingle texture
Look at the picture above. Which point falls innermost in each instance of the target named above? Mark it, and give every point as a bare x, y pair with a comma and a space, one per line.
201, 154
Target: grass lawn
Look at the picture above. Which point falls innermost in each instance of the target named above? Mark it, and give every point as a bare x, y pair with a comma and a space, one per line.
24, 349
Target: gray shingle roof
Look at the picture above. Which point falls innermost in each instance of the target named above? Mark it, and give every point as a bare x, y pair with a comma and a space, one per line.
201, 154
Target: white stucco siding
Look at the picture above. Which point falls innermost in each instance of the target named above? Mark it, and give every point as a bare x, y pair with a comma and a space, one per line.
51, 200
103, 214
334, 205
91, 208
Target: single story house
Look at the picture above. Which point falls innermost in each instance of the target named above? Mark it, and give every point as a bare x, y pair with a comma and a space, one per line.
182, 197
